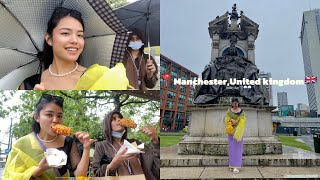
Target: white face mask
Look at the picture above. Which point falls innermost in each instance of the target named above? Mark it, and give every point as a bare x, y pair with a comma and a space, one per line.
118, 134
136, 45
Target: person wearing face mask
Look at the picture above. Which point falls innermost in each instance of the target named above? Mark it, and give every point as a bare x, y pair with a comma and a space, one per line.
141, 71
107, 157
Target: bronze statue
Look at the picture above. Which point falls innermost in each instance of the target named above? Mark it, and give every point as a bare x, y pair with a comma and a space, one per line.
229, 66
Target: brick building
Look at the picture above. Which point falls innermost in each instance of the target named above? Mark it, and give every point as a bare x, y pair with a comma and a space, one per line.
174, 98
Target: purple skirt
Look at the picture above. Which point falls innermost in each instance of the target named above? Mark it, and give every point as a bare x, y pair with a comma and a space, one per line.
235, 152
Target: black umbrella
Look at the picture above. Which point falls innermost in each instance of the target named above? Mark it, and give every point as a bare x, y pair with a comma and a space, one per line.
23, 25
145, 16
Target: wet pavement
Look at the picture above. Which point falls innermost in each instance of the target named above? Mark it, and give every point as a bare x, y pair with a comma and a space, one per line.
307, 139
245, 172
209, 167
288, 151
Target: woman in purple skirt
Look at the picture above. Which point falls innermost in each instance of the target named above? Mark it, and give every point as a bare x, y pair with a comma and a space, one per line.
237, 119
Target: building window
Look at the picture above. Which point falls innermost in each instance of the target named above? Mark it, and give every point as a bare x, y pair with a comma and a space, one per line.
162, 82
171, 95
168, 119
192, 78
191, 93
168, 114
164, 66
183, 89
182, 98
161, 92
180, 107
184, 75
190, 100
172, 86
175, 73
180, 116
169, 104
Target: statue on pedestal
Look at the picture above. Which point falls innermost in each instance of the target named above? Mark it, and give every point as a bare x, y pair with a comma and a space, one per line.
230, 66
234, 13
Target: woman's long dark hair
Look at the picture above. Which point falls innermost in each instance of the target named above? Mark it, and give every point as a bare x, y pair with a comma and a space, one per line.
44, 100
107, 128
46, 56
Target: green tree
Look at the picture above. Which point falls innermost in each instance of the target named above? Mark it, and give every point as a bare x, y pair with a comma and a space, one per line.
114, 4
4, 97
84, 110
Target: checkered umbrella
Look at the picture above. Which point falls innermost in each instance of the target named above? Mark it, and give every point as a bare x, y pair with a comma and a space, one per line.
145, 16
23, 25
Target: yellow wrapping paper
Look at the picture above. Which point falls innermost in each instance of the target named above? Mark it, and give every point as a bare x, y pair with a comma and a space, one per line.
102, 78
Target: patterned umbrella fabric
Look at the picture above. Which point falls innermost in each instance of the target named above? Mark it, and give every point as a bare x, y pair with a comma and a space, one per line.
145, 16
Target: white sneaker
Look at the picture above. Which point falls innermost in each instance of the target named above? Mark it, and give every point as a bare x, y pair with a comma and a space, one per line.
235, 171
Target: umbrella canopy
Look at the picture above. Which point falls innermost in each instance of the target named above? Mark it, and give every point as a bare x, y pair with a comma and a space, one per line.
143, 15
24, 23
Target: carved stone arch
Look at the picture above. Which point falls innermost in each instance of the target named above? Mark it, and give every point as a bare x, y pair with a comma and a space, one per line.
245, 54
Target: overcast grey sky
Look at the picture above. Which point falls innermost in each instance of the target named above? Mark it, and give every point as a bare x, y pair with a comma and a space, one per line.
185, 37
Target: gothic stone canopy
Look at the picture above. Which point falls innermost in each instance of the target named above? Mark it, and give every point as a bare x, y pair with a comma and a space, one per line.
246, 27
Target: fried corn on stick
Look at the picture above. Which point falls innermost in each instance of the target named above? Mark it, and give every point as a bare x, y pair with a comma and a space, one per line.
61, 129
128, 123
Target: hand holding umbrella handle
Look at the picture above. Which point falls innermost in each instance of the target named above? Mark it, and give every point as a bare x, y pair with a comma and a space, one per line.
39, 86
150, 68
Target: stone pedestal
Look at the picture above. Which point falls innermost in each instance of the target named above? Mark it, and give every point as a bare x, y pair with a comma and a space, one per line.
207, 131
234, 25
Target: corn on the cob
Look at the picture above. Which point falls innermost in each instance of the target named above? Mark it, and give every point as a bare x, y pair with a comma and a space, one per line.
128, 123
61, 129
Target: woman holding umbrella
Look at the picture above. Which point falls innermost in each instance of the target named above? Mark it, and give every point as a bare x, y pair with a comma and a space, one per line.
62, 47
141, 71
27, 160
63, 44
108, 159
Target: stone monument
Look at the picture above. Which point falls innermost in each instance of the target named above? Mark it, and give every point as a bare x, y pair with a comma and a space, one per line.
232, 57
